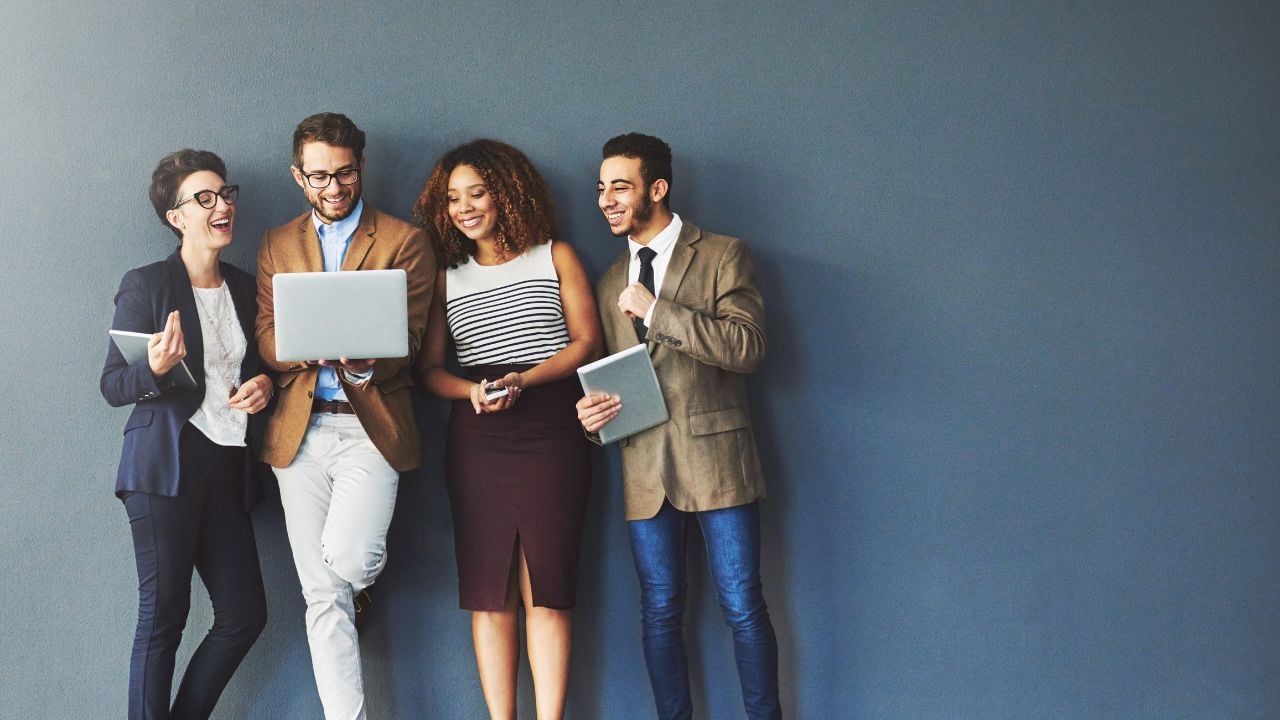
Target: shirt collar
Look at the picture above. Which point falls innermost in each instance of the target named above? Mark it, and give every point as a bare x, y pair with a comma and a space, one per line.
663, 241
341, 229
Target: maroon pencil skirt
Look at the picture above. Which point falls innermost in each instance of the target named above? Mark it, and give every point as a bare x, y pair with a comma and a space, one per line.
522, 473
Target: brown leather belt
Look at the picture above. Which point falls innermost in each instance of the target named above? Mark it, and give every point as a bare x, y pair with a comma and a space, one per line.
331, 406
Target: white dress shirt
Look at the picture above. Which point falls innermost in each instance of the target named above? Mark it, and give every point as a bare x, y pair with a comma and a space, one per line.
662, 243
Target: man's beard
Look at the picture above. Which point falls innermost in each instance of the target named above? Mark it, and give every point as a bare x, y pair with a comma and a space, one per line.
317, 204
640, 216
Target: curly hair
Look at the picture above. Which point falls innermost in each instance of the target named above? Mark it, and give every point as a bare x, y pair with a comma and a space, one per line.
526, 216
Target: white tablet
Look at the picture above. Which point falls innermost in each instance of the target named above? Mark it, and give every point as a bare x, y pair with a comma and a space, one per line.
133, 346
357, 314
629, 375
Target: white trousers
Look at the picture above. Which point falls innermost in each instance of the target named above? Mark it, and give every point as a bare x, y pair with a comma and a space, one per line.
338, 497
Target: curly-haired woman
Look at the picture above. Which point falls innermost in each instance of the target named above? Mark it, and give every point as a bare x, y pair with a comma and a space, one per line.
518, 307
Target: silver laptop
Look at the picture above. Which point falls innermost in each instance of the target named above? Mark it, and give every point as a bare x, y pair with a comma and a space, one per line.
358, 314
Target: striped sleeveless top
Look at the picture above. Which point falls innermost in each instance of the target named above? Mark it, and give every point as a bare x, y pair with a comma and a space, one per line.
508, 313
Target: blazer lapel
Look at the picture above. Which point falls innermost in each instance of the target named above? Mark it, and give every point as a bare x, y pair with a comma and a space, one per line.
681, 256
185, 301
309, 245
361, 240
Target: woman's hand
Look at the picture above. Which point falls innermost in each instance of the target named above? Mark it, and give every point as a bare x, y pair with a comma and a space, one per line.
513, 381
166, 349
254, 395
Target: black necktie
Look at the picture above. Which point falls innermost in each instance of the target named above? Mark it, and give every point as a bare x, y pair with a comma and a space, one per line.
646, 279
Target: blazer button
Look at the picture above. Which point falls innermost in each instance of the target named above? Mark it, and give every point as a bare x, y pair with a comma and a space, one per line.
308, 393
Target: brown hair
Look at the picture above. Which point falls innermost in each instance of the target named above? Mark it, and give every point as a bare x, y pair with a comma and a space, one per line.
525, 214
171, 171
329, 128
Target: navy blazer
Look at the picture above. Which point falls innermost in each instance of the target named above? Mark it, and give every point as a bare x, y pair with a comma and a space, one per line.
149, 458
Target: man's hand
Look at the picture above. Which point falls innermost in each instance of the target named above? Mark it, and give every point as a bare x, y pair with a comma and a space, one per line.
355, 367
596, 409
635, 300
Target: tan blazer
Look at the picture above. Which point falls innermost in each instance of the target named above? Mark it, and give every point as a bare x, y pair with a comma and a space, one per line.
381, 242
707, 335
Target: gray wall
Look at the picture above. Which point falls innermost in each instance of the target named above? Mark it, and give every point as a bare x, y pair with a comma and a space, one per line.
1020, 407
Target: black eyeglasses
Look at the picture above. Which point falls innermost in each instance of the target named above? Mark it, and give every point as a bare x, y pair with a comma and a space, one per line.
209, 198
321, 180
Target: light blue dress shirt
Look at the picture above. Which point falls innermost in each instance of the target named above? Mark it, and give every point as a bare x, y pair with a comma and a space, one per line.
335, 238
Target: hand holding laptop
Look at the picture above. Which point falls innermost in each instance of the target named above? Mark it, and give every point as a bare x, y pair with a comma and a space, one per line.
353, 366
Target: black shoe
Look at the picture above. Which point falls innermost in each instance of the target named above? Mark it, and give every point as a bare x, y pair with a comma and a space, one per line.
363, 602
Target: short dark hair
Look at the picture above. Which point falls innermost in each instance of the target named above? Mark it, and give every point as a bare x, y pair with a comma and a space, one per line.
653, 153
329, 128
171, 171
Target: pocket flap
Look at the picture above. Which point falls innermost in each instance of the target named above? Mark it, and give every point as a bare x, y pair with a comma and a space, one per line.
139, 418
286, 379
716, 421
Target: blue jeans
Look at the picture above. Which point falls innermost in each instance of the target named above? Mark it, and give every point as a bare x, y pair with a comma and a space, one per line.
732, 537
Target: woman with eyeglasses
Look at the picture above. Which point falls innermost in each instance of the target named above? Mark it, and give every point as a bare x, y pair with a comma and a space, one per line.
185, 473
517, 306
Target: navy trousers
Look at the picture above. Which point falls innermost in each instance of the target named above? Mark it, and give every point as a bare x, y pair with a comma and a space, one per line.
207, 530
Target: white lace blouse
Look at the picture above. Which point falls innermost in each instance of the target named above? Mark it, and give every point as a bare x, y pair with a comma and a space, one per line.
224, 348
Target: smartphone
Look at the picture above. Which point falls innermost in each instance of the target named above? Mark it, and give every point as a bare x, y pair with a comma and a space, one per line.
493, 392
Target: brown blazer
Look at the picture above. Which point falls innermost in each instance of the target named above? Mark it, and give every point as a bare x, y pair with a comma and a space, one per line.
707, 335
381, 242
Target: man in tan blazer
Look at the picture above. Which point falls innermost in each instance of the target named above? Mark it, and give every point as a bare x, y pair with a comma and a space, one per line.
342, 429
691, 296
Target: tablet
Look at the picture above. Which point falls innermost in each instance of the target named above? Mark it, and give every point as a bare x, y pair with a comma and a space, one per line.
357, 314
629, 375
133, 346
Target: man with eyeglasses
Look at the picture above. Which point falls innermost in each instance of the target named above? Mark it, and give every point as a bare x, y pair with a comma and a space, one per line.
343, 429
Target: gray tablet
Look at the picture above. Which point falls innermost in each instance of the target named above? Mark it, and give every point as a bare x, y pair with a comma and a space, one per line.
133, 346
357, 314
629, 375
